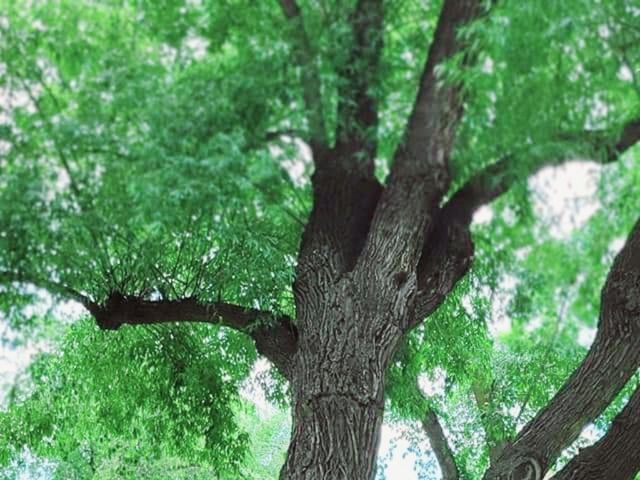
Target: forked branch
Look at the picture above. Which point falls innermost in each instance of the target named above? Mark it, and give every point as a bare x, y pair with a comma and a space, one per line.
419, 173
448, 251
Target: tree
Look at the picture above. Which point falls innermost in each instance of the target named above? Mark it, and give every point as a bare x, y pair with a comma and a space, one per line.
146, 174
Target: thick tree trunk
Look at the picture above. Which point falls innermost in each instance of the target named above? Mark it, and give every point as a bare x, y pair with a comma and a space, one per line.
335, 436
338, 386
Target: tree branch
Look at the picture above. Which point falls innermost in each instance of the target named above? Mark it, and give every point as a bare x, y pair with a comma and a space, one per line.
311, 88
614, 456
357, 102
613, 358
497, 178
448, 252
446, 258
275, 336
419, 174
436, 109
440, 445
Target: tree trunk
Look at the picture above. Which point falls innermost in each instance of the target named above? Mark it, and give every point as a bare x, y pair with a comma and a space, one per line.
334, 437
338, 387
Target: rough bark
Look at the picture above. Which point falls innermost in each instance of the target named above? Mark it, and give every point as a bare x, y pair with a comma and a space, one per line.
613, 358
419, 175
614, 456
445, 259
440, 446
338, 384
356, 276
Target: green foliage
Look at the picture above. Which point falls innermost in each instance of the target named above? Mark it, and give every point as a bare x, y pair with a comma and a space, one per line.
109, 122
122, 402
137, 155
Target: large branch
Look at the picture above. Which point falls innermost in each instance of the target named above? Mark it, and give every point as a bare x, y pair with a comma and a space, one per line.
613, 358
440, 446
614, 456
419, 174
446, 258
356, 134
436, 109
304, 58
448, 251
275, 336
497, 178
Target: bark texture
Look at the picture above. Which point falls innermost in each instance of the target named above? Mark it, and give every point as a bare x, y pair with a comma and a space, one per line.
356, 281
338, 386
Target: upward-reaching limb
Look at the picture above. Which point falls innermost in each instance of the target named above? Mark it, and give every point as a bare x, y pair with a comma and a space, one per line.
613, 358
448, 252
419, 174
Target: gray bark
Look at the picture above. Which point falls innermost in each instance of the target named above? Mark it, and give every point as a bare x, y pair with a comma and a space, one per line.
338, 384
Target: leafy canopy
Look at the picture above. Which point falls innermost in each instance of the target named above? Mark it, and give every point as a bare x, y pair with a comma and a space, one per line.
150, 148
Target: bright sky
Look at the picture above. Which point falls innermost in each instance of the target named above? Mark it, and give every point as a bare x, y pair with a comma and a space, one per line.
564, 198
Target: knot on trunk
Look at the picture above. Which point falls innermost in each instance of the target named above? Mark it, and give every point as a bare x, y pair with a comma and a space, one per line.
527, 468
522, 467
516, 466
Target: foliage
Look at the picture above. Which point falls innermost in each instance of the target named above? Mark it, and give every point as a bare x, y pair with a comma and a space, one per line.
152, 148
122, 402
